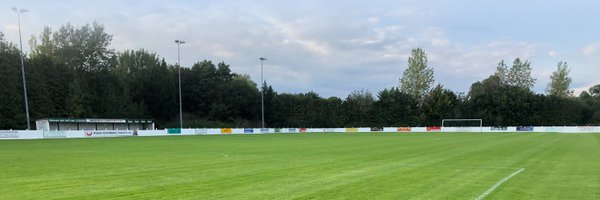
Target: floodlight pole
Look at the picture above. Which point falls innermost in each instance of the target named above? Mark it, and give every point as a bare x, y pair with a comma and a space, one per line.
262, 94
19, 11
179, 42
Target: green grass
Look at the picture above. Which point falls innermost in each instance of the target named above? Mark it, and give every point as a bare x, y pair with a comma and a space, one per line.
304, 166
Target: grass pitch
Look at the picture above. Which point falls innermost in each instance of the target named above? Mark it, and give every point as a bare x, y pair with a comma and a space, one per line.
304, 166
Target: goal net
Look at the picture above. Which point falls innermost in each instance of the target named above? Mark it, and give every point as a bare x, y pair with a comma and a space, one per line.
462, 125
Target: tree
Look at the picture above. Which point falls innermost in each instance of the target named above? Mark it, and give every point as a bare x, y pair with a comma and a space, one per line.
215, 94
305, 110
48, 87
242, 97
520, 74
146, 81
560, 111
593, 92
418, 77
309, 113
76, 60
331, 113
12, 109
395, 108
560, 81
502, 105
74, 101
592, 99
291, 110
438, 104
84, 48
357, 108
270, 111
502, 72
199, 87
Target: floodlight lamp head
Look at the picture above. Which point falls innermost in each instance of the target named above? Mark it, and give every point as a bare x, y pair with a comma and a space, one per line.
24, 10
262, 59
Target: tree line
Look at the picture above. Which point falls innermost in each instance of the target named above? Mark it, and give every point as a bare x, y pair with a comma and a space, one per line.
73, 72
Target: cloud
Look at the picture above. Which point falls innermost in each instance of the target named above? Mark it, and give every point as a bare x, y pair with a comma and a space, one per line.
10, 27
308, 53
375, 56
586, 87
590, 49
329, 48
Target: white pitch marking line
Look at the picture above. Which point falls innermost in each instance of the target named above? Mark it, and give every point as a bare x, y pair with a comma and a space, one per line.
480, 197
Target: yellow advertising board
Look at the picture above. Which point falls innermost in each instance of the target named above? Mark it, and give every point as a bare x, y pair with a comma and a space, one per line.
226, 130
351, 129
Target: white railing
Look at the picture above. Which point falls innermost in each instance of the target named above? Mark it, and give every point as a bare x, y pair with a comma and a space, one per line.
38, 134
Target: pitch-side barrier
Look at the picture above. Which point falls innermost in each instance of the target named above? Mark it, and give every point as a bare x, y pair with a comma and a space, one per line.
38, 134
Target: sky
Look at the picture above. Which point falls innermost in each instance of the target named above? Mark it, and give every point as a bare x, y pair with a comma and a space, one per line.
336, 47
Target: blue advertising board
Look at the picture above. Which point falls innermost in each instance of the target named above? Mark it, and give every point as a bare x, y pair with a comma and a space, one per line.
524, 128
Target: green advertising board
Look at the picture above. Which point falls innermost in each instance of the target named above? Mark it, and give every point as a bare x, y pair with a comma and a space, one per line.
174, 131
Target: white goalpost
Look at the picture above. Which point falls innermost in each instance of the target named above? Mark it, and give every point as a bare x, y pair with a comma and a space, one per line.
463, 120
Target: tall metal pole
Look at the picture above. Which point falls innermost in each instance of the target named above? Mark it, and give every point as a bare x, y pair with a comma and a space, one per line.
19, 11
262, 94
179, 42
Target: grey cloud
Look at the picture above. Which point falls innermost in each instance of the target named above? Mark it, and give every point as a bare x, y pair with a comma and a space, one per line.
331, 48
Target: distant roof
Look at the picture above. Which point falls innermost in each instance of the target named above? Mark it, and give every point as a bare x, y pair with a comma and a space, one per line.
95, 120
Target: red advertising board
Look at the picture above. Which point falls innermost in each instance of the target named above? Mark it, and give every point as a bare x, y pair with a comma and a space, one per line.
403, 129
434, 128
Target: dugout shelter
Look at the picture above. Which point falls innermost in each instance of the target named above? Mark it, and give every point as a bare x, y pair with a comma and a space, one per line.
65, 124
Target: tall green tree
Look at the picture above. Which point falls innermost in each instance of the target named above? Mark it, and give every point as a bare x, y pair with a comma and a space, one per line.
438, 104
47, 84
309, 110
90, 63
12, 109
146, 81
418, 78
502, 105
290, 110
560, 111
83, 48
75, 103
594, 91
271, 113
395, 108
331, 113
357, 108
213, 93
519, 74
592, 99
502, 71
560, 81
242, 97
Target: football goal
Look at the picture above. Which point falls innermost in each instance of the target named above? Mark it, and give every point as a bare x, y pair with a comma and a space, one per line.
463, 124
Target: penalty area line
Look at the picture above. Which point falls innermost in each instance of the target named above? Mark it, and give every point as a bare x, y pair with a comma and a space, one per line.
491, 189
